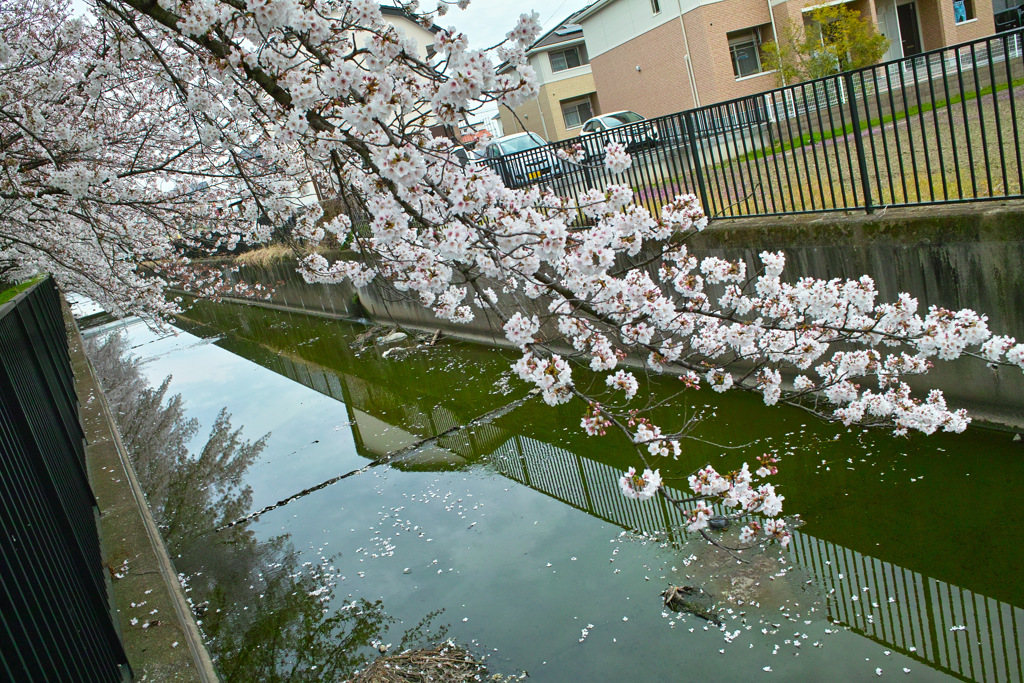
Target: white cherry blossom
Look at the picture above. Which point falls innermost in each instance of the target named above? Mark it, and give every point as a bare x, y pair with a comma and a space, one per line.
215, 124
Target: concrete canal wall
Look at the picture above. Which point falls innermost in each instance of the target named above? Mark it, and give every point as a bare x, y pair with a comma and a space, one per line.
967, 256
962, 256
156, 624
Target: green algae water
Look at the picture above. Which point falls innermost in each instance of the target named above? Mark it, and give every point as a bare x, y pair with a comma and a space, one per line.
384, 513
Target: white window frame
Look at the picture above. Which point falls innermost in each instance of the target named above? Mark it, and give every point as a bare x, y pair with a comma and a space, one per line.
581, 55
574, 105
970, 12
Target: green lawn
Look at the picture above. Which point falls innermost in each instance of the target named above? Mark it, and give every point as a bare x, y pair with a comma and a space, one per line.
14, 291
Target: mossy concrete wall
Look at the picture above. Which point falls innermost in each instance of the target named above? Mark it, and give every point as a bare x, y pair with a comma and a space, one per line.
291, 290
965, 256
960, 256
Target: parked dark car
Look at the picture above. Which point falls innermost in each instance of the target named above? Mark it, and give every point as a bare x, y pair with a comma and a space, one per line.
1009, 19
522, 159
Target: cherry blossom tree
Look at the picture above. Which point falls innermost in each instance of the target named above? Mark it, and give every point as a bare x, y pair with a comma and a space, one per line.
110, 160
110, 122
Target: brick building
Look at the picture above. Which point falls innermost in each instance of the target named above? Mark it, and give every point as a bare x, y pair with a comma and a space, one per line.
657, 57
661, 56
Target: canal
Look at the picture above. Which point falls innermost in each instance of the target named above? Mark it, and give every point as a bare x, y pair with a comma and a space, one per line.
381, 511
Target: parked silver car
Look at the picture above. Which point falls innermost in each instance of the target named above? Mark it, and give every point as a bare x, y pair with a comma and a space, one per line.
626, 127
522, 159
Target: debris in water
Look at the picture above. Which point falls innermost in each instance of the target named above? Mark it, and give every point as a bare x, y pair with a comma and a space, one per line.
447, 663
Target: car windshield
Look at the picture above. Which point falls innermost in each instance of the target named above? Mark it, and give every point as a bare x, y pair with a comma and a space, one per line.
621, 119
521, 144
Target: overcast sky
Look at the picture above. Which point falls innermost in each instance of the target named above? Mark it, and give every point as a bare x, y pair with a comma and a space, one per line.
487, 21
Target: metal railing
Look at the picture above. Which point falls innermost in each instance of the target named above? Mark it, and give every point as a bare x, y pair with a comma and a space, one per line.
939, 127
56, 619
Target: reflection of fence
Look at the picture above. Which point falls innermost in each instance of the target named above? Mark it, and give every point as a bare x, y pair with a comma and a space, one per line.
925, 614
583, 483
922, 615
970, 635
381, 402
56, 621
938, 127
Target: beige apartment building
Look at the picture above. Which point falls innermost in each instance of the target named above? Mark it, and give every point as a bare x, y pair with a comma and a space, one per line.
567, 95
660, 56
657, 57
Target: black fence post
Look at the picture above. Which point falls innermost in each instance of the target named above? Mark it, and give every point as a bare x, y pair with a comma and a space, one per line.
858, 141
690, 131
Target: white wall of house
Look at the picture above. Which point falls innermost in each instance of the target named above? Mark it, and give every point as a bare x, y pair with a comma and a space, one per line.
408, 28
622, 20
411, 29
494, 126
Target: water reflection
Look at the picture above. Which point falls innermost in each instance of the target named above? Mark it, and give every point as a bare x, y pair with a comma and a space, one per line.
266, 614
950, 628
954, 629
187, 494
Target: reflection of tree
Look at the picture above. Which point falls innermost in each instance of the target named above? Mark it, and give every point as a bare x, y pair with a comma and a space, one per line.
207, 491
188, 495
290, 631
265, 616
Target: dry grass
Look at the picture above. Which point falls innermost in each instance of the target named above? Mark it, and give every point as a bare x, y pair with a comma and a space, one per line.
962, 150
264, 256
935, 155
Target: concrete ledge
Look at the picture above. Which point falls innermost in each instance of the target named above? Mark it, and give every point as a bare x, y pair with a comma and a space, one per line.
159, 634
904, 226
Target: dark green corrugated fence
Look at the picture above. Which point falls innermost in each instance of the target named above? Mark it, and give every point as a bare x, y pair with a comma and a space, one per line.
55, 619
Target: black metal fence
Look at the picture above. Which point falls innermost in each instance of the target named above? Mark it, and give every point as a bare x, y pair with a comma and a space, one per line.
939, 127
56, 619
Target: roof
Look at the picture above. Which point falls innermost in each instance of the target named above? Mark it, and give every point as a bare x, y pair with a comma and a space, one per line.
592, 9
474, 136
564, 31
388, 10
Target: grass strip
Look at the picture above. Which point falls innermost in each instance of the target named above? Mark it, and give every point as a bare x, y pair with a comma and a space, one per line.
812, 138
14, 291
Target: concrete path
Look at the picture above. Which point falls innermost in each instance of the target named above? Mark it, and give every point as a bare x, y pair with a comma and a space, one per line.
158, 631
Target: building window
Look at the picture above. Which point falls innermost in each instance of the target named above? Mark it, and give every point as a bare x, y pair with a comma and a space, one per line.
655, 7
568, 59
745, 50
963, 10
575, 112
